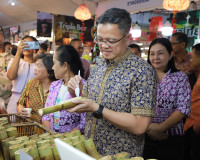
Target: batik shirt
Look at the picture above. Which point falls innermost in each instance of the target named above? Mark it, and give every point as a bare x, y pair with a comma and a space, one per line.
184, 65
173, 94
127, 84
68, 121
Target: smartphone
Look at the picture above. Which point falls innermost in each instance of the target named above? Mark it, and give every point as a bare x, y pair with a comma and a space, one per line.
32, 45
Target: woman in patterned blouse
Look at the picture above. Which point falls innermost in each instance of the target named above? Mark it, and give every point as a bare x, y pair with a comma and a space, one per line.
36, 90
67, 63
165, 136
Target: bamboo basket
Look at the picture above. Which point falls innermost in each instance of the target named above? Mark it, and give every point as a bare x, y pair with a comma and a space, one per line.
15, 118
28, 129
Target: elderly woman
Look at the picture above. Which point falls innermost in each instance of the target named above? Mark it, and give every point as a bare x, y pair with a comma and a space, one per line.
165, 136
67, 63
36, 90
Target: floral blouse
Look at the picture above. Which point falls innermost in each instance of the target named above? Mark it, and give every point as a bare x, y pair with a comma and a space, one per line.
68, 121
173, 93
33, 97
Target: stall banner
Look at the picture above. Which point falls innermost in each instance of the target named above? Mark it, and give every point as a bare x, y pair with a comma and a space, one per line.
155, 27
1, 36
6, 33
44, 24
68, 28
14, 34
191, 29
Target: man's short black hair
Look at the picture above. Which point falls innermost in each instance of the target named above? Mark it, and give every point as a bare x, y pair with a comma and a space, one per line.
74, 40
197, 49
5, 44
181, 37
44, 46
135, 46
118, 16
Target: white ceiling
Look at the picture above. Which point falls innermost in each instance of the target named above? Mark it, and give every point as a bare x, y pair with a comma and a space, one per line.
26, 10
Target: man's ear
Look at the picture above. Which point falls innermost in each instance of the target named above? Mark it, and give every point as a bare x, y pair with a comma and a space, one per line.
183, 45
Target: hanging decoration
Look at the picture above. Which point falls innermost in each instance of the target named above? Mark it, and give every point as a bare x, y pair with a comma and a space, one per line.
175, 6
82, 13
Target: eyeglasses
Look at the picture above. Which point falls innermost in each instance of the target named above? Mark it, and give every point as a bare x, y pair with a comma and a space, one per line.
110, 43
173, 43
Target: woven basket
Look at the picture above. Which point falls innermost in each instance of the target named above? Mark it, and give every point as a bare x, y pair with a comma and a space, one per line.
15, 118
28, 129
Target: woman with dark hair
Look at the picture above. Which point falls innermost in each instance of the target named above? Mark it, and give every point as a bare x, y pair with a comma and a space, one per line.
20, 70
165, 135
36, 90
67, 64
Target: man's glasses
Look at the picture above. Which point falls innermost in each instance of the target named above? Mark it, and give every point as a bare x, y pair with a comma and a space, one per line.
174, 43
110, 43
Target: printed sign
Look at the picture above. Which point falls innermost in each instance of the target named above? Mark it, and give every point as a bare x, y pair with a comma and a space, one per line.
68, 28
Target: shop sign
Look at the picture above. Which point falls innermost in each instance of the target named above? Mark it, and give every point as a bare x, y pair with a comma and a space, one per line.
135, 2
68, 28
44, 24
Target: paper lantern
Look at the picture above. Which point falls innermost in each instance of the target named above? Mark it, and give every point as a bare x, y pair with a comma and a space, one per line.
82, 13
176, 5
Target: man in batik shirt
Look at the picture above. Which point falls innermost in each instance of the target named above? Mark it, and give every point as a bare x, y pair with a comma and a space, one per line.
121, 90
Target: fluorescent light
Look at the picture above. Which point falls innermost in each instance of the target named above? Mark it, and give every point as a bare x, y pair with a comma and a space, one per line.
136, 31
12, 2
167, 29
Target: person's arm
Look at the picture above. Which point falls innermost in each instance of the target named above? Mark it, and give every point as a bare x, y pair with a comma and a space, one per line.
175, 117
156, 131
128, 122
125, 121
46, 124
21, 111
13, 69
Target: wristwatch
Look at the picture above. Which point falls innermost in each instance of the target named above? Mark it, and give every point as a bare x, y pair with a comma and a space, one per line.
98, 114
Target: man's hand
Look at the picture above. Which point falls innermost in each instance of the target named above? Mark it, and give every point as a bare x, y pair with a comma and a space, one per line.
84, 105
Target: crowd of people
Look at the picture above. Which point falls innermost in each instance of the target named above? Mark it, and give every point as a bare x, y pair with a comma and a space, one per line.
148, 109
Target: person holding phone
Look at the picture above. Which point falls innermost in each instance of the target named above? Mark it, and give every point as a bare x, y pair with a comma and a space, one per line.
20, 70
